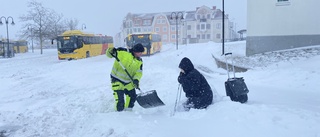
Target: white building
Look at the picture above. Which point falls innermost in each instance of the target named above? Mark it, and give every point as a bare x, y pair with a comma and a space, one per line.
282, 24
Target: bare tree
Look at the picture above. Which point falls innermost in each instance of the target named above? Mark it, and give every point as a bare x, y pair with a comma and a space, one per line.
72, 24
43, 22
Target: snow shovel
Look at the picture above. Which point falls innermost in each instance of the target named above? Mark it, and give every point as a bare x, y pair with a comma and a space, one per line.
147, 99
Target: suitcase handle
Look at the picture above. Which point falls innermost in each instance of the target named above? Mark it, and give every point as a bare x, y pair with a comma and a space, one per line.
226, 54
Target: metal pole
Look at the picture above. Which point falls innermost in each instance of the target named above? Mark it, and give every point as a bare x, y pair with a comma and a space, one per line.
177, 32
32, 40
187, 33
176, 16
7, 22
222, 27
8, 55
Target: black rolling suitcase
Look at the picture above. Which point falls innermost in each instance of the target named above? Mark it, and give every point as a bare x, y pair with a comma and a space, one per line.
236, 88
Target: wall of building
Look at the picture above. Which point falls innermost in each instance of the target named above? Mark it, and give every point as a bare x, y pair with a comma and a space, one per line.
276, 25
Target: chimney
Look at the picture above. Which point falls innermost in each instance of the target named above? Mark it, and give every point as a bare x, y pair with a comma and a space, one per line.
214, 7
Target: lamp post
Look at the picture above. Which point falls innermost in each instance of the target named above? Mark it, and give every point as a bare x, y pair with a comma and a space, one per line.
31, 28
6, 19
177, 16
83, 26
222, 27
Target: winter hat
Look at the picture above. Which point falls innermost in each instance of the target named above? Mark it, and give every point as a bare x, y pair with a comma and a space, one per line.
186, 65
138, 48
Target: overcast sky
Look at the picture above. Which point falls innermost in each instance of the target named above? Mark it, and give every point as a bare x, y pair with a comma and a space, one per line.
105, 17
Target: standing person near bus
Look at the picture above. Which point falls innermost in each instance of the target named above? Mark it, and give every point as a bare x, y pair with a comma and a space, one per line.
148, 49
198, 91
123, 87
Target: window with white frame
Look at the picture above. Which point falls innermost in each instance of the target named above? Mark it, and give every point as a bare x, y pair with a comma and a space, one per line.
173, 28
164, 37
208, 36
163, 21
173, 36
218, 36
203, 36
189, 27
208, 26
164, 29
203, 26
218, 26
157, 29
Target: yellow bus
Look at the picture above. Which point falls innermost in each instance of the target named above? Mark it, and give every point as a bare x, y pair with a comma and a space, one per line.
75, 44
151, 42
20, 46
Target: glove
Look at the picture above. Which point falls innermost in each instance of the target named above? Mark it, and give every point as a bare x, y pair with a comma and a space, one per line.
136, 83
113, 52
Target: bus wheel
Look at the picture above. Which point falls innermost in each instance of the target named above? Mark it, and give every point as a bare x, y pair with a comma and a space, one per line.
87, 54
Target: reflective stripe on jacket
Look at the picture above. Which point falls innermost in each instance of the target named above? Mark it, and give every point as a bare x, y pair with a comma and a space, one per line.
132, 65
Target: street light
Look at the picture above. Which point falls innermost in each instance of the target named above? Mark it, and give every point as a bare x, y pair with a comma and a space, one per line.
177, 16
222, 27
31, 28
83, 26
7, 22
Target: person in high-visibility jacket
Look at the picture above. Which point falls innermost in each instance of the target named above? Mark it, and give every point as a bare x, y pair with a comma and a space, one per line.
122, 85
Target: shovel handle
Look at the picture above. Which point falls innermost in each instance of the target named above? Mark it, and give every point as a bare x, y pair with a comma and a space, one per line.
116, 57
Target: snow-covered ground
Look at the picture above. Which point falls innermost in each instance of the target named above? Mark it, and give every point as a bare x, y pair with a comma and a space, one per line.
41, 96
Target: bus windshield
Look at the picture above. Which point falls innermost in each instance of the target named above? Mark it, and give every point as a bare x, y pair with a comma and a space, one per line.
143, 39
67, 42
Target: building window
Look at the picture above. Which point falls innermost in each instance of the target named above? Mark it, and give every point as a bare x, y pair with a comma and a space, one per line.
164, 29
208, 16
198, 36
158, 21
164, 37
189, 36
203, 26
203, 36
208, 36
218, 36
146, 22
137, 22
198, 27
173, 36
218, 26
208, 26
157, 29
282, 0
173, 28
189, 27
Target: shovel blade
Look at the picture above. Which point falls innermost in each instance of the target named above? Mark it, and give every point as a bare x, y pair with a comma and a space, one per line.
149, 99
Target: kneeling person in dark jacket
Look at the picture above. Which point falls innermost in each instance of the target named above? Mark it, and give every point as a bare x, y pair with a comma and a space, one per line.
195, 86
